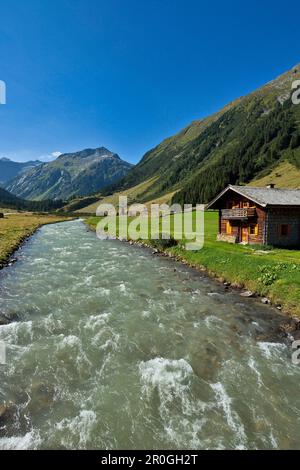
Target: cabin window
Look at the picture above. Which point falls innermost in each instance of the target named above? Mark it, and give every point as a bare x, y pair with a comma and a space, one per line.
285, 230
246, 205
228, 228
253, 229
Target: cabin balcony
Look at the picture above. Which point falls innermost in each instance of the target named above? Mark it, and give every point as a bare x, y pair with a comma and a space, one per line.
239, 214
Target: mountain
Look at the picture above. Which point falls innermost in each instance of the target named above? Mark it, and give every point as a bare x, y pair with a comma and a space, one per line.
244, 141
10, 169
10, 201
71, 174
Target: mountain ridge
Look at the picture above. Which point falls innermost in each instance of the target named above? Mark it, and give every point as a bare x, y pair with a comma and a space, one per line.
242, 142
10, 169
71, 174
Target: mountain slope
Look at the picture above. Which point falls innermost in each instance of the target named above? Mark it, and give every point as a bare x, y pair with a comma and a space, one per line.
10, 169
252, 138
10, 201
80, 173
243, 140
159, 162
283, 175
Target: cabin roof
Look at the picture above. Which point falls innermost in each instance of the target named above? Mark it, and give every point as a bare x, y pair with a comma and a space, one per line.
263, 196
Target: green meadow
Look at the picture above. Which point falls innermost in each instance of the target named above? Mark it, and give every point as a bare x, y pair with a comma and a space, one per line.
269, 272
16, 226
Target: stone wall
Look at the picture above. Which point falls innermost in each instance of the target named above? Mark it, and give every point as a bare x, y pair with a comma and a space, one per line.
223, 237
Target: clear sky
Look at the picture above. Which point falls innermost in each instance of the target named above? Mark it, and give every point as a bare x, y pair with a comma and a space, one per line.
125, 74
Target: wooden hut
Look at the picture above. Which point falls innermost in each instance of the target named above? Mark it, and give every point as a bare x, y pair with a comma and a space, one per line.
266, 216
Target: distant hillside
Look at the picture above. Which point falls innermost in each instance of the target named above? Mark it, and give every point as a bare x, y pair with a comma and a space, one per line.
10, 201
72, 174
160, 163
248, 141
10, 169
133, 194
283, 175
244, 140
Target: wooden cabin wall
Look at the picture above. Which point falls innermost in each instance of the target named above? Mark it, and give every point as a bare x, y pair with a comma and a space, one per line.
277, 217
270, 222
258, 239
237, 225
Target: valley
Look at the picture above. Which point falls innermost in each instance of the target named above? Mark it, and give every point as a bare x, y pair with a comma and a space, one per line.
149, 231
241, 144
252, 140
152, 322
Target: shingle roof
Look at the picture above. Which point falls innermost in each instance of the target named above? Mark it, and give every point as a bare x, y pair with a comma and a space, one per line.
265, 196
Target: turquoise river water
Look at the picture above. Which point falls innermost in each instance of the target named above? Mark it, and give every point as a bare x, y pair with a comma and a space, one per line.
114, 348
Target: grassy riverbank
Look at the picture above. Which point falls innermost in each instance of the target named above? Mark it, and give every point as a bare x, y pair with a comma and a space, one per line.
273, 273
16, 227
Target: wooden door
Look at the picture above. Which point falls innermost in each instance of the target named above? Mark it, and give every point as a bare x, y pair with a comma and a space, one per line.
245, 234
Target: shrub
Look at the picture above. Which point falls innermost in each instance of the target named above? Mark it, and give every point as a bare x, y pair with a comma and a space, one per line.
164, 243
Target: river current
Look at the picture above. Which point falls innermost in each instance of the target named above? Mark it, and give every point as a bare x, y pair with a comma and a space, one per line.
114, 348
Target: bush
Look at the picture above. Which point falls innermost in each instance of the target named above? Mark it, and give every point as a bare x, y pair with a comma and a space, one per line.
164, 243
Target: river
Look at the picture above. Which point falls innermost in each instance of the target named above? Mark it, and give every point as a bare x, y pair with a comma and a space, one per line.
114, 348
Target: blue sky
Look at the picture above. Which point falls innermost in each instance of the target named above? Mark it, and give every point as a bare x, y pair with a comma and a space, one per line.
125, 74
